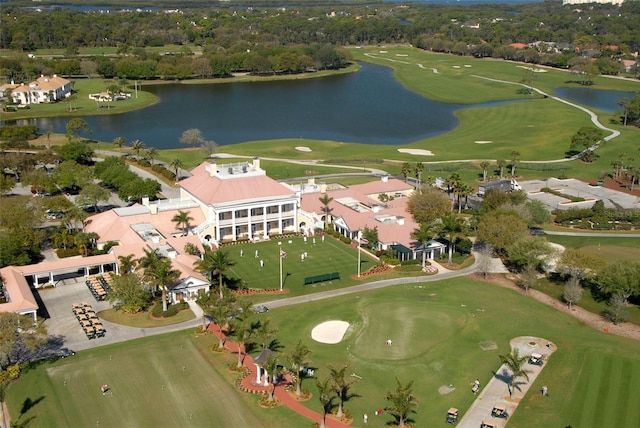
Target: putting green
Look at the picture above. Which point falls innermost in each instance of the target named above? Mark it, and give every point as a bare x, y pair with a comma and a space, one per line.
414, 329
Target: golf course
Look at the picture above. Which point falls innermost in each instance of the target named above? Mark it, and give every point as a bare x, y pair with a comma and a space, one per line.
445, 334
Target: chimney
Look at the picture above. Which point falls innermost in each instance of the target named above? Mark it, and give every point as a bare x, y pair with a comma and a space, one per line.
323, 188
385, 178
400, 220
311, 181
256, 163
154, 209
212, 168
145, 200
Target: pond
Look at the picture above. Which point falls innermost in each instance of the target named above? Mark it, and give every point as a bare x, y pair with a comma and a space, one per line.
595, 98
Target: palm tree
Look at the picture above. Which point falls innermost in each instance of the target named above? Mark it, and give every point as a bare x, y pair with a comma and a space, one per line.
265, 333
419, 169
271, 366
150, 259
340, 386
163, 275
220, 313
176, 164
451, 227
119, 142
406, 170
242, 331
298, 358
215, 262
326, 200
515, 362
403, 402
463, 190
515, 160
453, 182
137, 146
501, 164
326, 398
423, 234
484, 165
182, 219
152, 152
127, 264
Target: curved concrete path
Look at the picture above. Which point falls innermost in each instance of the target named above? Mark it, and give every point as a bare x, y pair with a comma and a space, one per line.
497, 390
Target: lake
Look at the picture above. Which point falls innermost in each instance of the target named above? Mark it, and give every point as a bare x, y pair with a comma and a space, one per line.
368, 106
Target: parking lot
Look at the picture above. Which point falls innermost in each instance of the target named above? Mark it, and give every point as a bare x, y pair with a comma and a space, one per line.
62, 322
573, 187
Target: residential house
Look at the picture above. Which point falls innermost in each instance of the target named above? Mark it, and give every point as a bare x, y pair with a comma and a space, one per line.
45, 89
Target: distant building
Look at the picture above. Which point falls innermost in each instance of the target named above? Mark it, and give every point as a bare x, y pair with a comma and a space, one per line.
45, 89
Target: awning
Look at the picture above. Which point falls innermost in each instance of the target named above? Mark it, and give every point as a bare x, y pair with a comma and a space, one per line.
401, 249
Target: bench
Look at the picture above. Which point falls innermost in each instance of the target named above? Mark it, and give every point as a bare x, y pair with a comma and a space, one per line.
321, 278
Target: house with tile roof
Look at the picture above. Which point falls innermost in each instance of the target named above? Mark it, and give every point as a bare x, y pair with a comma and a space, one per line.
15, 294
240, 202
379, 204
45, 89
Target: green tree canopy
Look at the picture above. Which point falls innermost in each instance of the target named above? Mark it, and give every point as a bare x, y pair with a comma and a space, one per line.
428, 205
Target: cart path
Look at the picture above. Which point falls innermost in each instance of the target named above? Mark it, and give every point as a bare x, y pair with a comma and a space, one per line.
497, 390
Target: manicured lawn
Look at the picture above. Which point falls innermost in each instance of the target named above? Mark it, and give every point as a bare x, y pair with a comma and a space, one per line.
143, 319
442, 335
439, 331
148, 387
323, 257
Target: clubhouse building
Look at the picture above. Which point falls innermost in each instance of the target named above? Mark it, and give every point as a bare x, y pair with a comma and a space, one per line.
225, 203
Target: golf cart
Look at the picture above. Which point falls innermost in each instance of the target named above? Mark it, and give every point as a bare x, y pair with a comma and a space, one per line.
488, 424
452, 415
499, 412
536, 359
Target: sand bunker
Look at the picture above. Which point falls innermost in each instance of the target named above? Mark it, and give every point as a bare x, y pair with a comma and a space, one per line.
483, 142
330, 332
419, 152
303, 149
446, 389
488, 345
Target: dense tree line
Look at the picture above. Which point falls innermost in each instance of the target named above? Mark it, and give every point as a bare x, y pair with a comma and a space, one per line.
290, 40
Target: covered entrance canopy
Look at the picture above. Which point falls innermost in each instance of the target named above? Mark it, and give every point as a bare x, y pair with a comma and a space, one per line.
402, 253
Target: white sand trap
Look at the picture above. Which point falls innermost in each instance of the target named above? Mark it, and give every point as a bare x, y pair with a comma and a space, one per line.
534, 69
330, 332
446, 389
483, 142
303, 149
419, 152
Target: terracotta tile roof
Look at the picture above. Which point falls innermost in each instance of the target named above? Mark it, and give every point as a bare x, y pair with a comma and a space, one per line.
214, 190
51, 83
20, 294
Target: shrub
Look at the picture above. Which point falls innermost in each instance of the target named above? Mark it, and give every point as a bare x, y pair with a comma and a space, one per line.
144, 163
391, 261
67, 252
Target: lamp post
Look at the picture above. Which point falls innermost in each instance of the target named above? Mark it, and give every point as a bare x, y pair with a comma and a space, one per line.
280, 258
359, 239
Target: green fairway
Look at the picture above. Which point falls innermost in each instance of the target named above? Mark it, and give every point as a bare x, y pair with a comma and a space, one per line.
323, 257
171, 380
444, 333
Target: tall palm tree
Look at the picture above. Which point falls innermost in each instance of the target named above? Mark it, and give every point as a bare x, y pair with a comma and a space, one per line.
150, 259
127, 264
271, 366
215, 263
298, 358
463, 191
501, 164
137, 146
163, 275
242, 331
220, 313
406, 170
451, 227
152, 152
119, 142
265, 332
423, 234
325, 396
176, 164
340, 385
515, 160
515, 363
182, 219
484, 166
453, 182
403, 402
326, 200
418, 170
